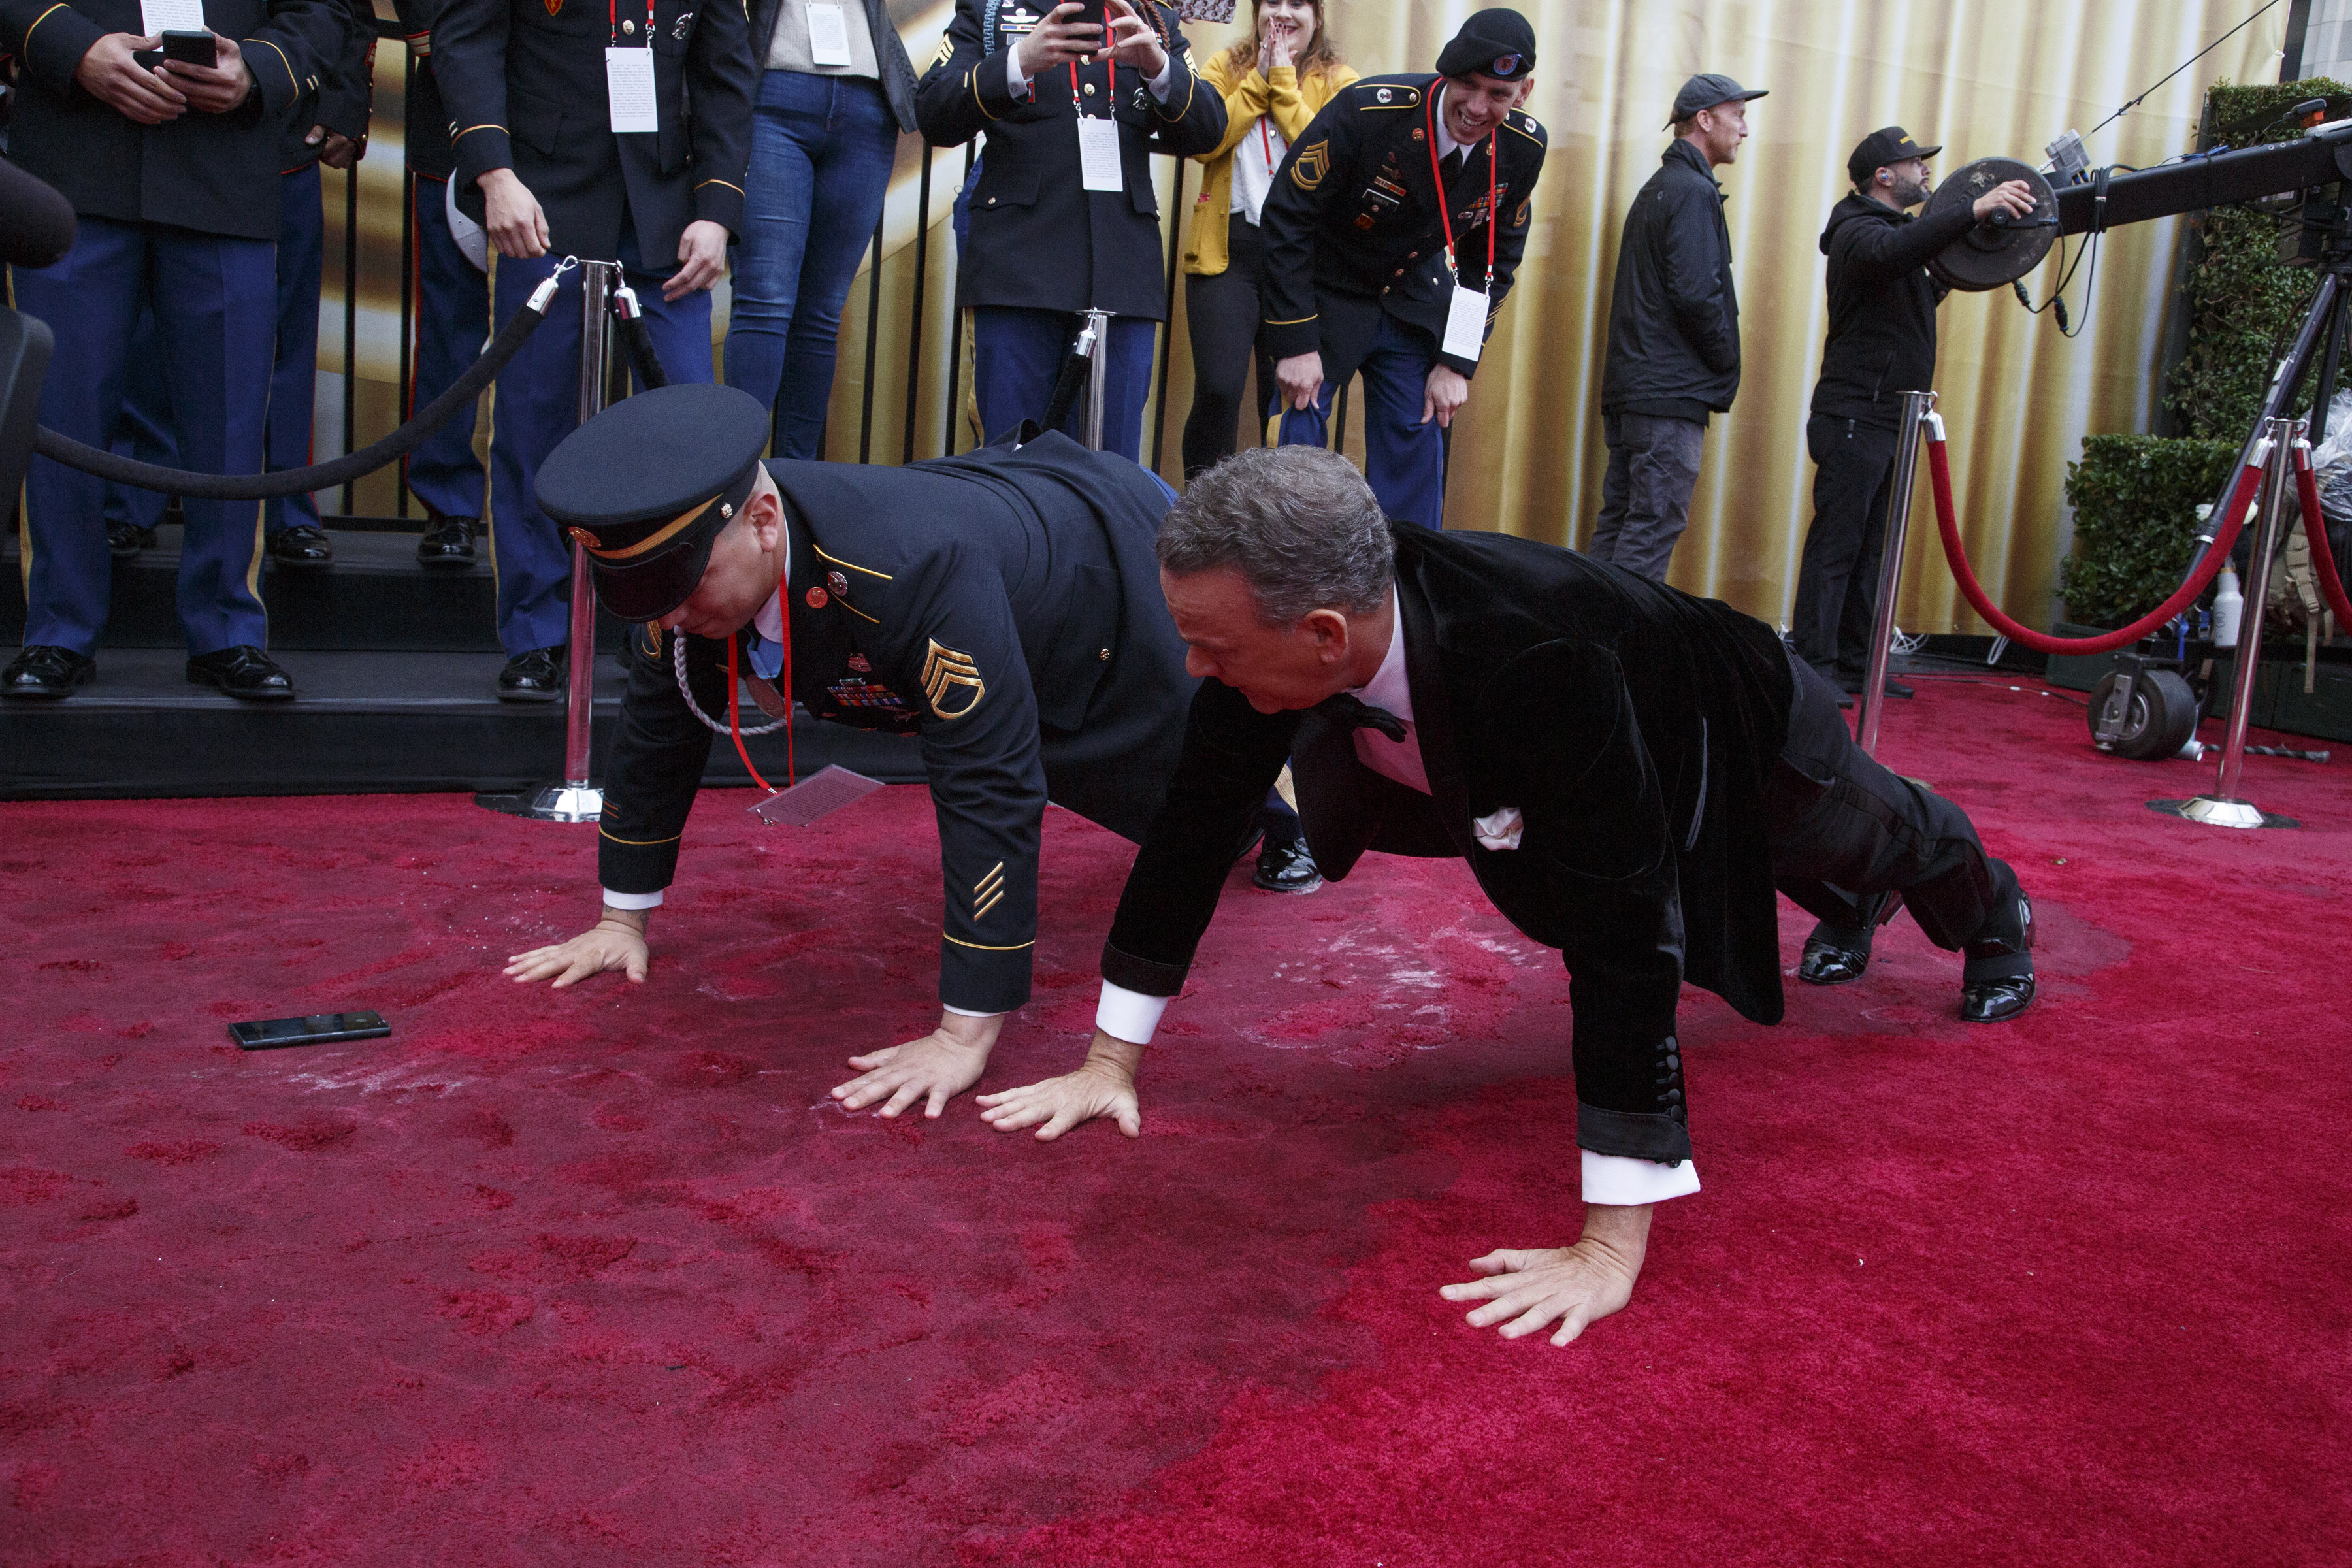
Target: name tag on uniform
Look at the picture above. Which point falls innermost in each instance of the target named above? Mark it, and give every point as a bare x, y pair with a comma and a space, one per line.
1098, 154
629, 87
1465, 323
828, 31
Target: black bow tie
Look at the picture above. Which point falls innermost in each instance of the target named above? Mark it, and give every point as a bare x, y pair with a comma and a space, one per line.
1352, 712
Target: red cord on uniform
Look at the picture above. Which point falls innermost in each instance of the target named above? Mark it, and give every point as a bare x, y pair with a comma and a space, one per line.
735, 725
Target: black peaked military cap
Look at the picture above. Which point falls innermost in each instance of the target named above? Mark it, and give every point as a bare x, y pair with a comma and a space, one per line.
1708, 89
646, 487
1499, 43
1890, 144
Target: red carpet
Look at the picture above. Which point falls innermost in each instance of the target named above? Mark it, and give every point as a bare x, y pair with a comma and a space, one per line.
601, 1278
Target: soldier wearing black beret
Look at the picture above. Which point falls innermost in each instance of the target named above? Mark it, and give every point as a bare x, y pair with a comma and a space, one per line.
1391, 235
1002, 608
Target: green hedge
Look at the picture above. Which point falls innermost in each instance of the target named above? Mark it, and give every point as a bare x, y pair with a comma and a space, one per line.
2135, 499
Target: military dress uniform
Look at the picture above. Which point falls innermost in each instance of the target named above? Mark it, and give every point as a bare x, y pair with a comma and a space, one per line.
183, 217
1001, 609
524, 84
1041, 245
1356, 267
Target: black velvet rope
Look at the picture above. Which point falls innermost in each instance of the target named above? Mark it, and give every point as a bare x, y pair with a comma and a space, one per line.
318, 475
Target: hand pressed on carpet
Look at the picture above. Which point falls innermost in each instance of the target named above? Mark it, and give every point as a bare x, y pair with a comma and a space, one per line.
941, 1065
1526, 1290
1104, 1085
615, 942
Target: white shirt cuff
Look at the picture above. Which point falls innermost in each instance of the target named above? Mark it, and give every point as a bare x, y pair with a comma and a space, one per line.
613, 900
1014, 79
1128, 1015
1627, 1183
966, 1011
1158, 84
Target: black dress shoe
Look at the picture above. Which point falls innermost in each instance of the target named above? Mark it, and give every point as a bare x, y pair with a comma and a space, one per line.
1834, 956
1996, 969
1286, 869
245, 672
533, 677
124, 539
1851, 686
448, 545
47, 673
1995, 1001
302, 547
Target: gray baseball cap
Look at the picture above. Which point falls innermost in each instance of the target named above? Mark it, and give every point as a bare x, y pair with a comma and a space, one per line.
1705, 90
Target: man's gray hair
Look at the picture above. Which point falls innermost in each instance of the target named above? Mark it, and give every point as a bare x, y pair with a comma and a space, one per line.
1297, 523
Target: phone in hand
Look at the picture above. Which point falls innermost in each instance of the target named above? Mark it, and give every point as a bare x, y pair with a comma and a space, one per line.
318, 1029
189, 46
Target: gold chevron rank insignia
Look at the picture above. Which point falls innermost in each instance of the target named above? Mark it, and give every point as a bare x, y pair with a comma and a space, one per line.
944, 671
990, 889
1312, 163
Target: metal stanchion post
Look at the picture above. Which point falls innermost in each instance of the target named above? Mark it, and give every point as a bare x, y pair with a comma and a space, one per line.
1096, 338
575, 800
1917, 409
2225, 807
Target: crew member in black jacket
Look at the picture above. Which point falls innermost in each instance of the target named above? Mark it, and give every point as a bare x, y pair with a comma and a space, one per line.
172, 170
1629, 772
1046, 242
1882, 343
551, 167
1674, 332
1002, 608
1374, 265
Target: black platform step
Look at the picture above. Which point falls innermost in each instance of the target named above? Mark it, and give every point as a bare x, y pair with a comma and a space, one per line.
376, 598
362, 723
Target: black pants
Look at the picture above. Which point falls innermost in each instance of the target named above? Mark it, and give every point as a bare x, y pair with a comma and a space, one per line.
1837, 578
1222, 319
1846, 828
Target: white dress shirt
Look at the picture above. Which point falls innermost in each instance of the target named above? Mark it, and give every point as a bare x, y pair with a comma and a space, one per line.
1130, 1015
1255, 158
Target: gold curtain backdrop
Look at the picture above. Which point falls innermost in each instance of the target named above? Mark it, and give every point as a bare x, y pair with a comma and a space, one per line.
2001, 76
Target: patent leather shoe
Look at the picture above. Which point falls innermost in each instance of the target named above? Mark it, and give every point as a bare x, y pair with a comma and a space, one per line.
533, 677
245, 672
448, 545
1997, 970
1834, 956
1995, 1001
303, 547
1286, 869
1851, 686
47, 673
125, 540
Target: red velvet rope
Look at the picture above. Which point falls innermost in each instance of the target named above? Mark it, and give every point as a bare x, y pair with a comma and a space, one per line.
2314, 529
1940, 473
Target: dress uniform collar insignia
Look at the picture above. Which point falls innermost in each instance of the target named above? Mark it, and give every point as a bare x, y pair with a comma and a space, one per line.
947, 672
684, 23
1384, 95
838, 583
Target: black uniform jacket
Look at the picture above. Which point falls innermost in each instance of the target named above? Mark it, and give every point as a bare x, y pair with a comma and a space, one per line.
1673, 314
1635, 728
889, 53
1354, 213
1882, 338
213, 174
524, 84
1002, 608
345, 93
424, 126
1040, 240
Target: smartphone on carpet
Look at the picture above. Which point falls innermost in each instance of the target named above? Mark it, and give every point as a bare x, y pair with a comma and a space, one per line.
318, 1029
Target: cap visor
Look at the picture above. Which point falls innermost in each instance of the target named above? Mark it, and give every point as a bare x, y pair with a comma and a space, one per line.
647, 593
1926, 151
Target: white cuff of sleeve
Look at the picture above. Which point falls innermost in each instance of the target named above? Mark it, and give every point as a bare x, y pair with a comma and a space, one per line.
1158, 84
1012, 76
1627, 1183
966, 1011
1128, 1015
613, 900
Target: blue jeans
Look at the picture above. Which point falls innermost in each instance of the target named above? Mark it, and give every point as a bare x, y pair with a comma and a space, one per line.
822, 148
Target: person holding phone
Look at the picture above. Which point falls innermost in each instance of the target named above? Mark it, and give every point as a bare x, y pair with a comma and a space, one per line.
1274, 82
613, 132
1066, 214
172, 167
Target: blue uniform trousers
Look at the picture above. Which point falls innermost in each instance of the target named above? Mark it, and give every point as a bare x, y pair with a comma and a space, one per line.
214, 301
453, 319
1404, 458
538, 405
1016, 356
294, 379
143, 431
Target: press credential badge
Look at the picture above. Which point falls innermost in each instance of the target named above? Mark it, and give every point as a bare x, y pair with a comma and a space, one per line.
629, 86
1098, 154
1465, 323
828, 32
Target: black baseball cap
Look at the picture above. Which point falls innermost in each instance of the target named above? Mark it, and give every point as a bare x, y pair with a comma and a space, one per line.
1499, 43
648, 486
1890, 144
1708, 89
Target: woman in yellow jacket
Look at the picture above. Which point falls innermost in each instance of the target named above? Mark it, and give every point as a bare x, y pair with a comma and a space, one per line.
1273, 83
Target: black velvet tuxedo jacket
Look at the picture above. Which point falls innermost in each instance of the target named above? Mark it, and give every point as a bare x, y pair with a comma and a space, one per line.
1003, 609
1636, 728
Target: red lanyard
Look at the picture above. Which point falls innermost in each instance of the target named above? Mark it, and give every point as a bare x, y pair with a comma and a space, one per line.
1444, 203
1263, 145
613, 16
